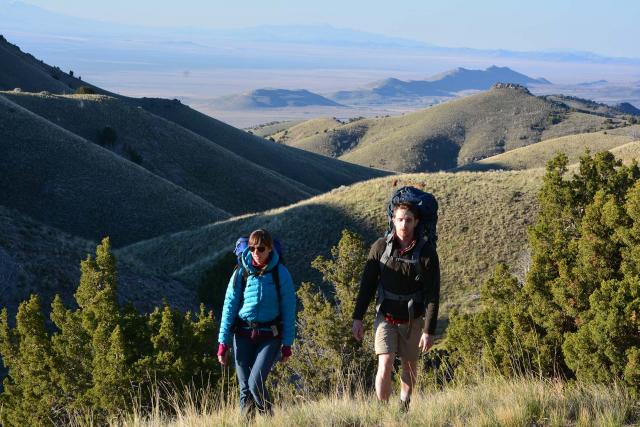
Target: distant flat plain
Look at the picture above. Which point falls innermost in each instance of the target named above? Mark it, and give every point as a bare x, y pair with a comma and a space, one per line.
197, 88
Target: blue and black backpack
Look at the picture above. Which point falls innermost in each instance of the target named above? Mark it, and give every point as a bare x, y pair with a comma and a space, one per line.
426, 232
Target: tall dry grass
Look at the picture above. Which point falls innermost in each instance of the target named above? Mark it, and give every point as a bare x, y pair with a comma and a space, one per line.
490, 401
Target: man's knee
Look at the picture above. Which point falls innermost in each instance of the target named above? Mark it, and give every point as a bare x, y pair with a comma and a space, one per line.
385, 364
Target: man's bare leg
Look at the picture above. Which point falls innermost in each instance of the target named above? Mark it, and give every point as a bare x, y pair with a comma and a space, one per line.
408, 377
383, 377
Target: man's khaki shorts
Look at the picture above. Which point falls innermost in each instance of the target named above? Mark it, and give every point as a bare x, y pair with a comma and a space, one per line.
398, 339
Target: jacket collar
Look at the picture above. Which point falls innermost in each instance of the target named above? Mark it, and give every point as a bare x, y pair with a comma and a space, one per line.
246, 261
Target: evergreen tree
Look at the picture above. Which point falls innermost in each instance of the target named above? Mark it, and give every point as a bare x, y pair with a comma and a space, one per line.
29, 396
326, 352
576, 313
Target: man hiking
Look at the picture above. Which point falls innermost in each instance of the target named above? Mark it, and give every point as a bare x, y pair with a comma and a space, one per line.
403, 268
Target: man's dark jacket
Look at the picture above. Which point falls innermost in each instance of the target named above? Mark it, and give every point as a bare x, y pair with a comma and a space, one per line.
400, 278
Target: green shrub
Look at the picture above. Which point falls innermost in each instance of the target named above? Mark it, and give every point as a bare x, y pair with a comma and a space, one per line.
107, 136
98, 352
85, 90
576, 314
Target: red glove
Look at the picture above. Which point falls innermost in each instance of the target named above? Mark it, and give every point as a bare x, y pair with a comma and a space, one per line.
222, 349
286, 351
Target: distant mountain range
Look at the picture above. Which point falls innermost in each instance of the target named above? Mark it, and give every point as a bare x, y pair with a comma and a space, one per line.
387, 91
443, 85
273, 98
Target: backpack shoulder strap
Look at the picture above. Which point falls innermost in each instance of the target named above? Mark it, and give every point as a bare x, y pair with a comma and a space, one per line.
415, 256
275, 273
384, 259
242, 275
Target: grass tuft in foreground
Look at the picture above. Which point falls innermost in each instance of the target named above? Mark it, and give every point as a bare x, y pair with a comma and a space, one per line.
490, 402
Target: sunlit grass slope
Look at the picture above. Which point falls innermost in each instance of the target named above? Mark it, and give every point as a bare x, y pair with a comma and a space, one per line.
574, 146
448, 135
483, 220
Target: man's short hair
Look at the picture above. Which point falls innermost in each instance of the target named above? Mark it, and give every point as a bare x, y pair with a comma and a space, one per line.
407, 206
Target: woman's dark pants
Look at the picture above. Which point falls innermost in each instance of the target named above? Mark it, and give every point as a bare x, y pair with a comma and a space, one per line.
254, 360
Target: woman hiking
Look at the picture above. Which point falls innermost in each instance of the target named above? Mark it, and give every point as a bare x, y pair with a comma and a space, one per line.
258, 319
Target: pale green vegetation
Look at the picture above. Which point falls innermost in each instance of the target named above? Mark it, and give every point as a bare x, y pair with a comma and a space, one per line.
271, 128
490, 402
536, 155
304, 129
451, 134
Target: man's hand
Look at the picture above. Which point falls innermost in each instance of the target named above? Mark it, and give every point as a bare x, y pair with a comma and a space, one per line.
426, 342
357, 330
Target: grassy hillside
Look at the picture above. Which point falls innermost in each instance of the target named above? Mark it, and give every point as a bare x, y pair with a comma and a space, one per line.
305, 129
64, 181
311, 169
167, 150
483, 220
21, 70
452, 134
272, 128
35, 258
536, 155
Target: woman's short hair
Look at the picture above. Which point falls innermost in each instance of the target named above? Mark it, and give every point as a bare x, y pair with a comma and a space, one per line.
408, 206
261, 237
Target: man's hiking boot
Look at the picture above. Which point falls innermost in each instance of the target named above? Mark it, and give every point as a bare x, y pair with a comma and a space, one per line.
404, 406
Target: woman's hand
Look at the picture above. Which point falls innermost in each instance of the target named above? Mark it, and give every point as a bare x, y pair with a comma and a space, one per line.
223, 354
286, 353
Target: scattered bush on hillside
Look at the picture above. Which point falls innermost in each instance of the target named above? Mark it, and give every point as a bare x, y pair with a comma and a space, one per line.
98, 352
85, 90
577, 314
107, 136
132, 154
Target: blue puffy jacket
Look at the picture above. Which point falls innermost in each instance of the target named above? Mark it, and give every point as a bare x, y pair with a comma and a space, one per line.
260, 303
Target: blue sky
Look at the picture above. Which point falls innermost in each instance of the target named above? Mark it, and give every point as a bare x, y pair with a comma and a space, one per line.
610, 28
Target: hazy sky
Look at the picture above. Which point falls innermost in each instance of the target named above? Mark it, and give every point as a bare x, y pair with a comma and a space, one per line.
605, 27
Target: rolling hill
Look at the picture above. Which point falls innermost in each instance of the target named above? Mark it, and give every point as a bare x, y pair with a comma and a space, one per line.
36, 258
167, 150
272, 98
23, 71
483, 220
313, 171
69, 183
537, 155
451, 134
446, 84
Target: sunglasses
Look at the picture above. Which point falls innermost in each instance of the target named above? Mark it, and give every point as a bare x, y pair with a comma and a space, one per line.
260, 249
